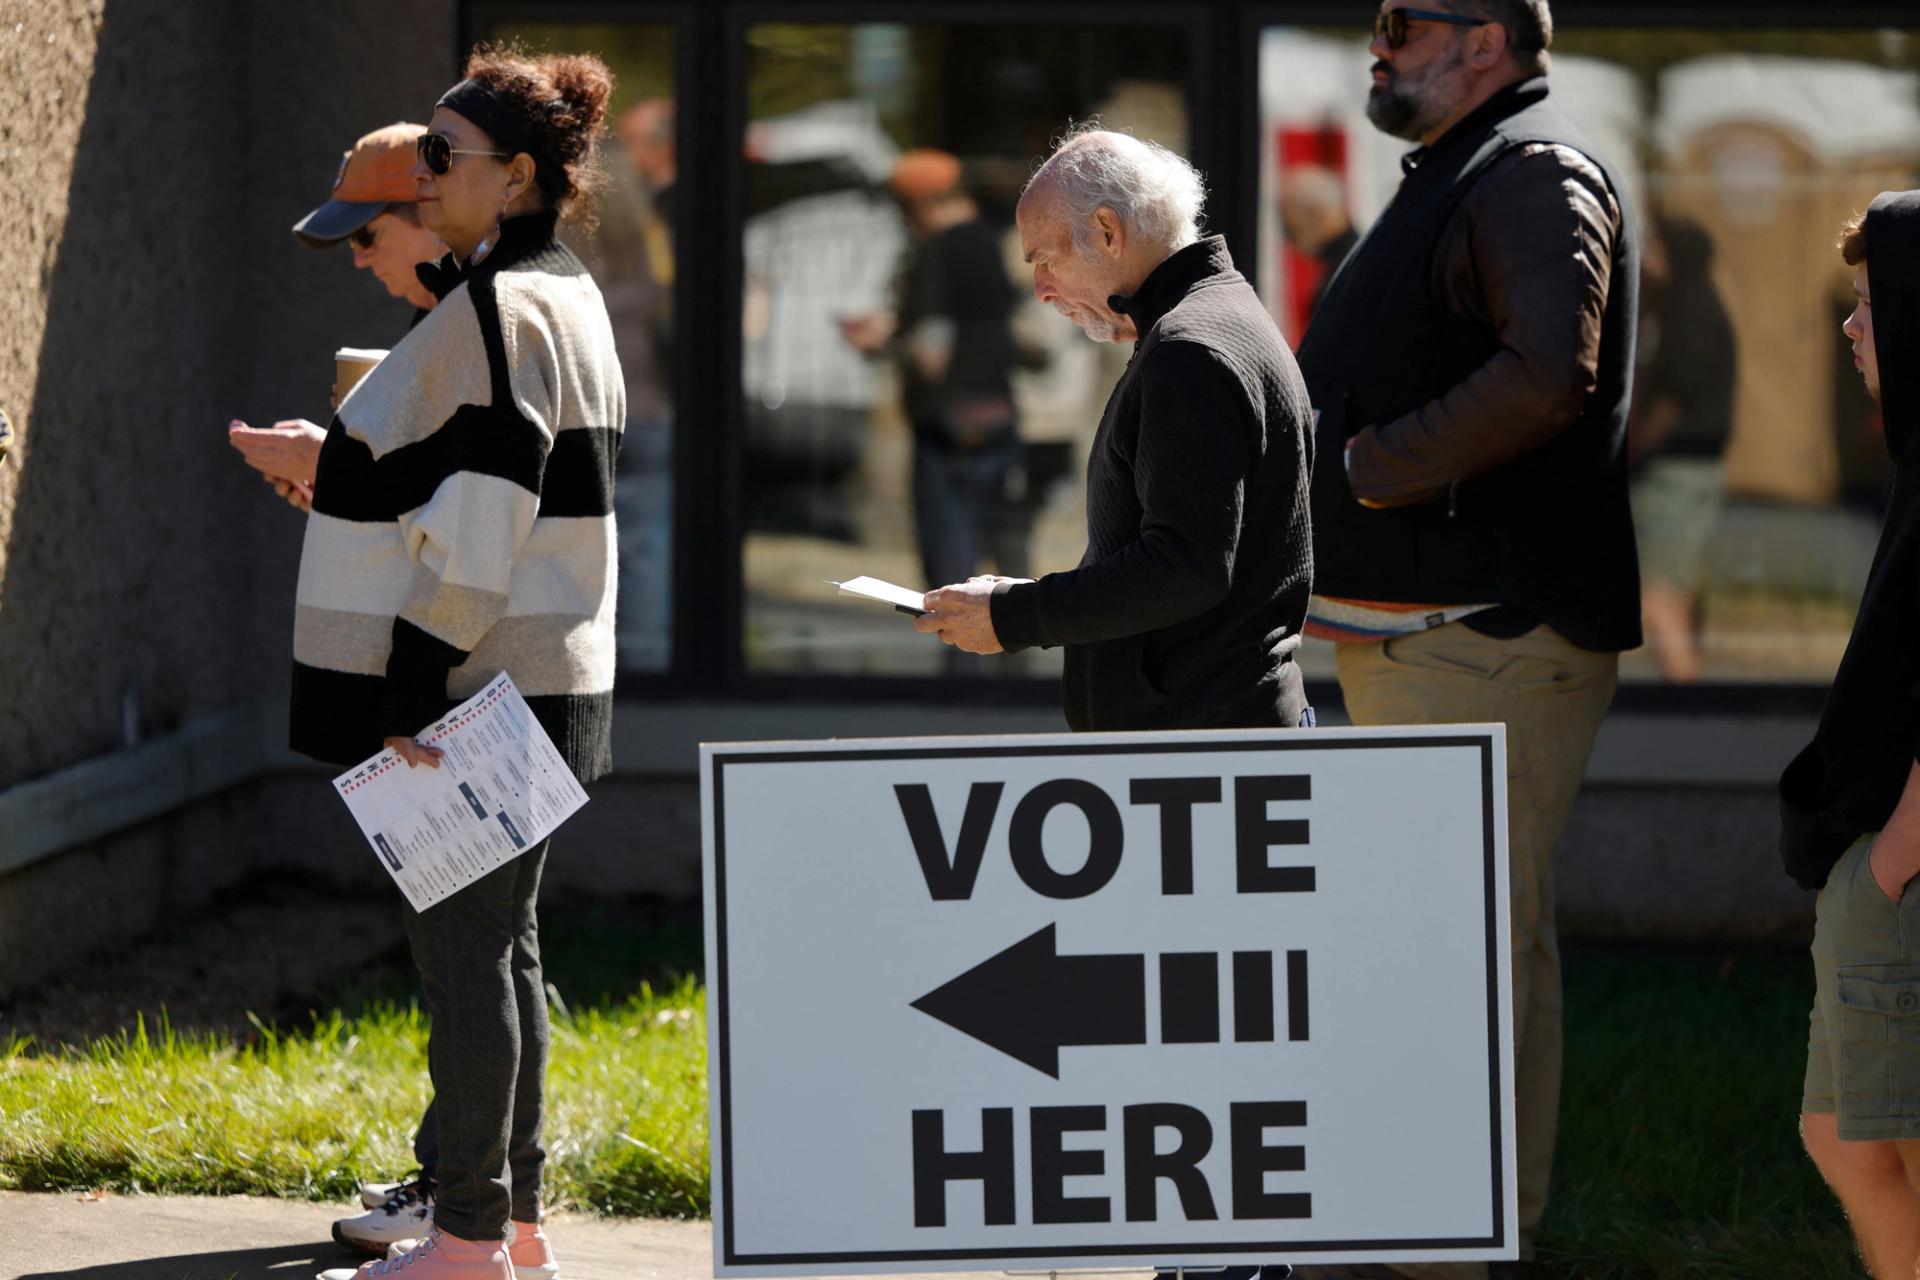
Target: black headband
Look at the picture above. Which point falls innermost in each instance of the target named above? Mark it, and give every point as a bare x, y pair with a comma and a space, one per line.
503, 124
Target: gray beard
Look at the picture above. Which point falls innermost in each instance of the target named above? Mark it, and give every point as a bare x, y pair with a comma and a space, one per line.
1410, 110
1096, 326
1395, 112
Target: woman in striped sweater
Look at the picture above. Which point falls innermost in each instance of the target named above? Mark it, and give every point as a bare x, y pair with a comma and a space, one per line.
462, 526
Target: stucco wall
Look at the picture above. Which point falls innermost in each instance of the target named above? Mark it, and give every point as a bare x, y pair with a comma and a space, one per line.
156, 154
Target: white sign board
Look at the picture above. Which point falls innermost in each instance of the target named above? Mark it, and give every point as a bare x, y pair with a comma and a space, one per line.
1063, 1001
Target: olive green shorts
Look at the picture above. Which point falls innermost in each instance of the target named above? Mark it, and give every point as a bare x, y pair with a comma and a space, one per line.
1863, 1047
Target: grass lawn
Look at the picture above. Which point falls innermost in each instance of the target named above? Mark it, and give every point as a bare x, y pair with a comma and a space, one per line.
310, 1111
1678, 1156
1678, 1153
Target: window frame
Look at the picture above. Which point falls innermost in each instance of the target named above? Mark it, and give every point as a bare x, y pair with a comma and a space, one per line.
708, 661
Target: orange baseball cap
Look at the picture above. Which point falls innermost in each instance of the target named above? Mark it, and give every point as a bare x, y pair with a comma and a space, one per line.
377, 172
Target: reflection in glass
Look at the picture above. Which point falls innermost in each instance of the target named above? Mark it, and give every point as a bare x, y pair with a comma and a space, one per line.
630, 251
1759, 469
912, 413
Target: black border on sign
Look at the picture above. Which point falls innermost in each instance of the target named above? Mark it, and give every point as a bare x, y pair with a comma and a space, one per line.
718, 1007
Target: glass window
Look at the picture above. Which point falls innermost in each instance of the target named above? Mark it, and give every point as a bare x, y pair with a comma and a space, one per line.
630, 252
1759, 474
912, 413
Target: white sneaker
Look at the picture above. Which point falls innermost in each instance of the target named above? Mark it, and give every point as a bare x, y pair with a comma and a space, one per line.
375, 1194
407, 1214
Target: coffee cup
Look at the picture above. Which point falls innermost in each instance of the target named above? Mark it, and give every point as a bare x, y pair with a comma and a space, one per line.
350, 364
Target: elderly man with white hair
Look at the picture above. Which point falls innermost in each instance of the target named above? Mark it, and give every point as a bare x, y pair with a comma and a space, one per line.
1187, 608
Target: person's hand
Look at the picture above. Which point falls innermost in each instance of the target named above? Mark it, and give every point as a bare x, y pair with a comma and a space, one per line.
299, 496
416, 752
1894, 863
1894, 858
1347, 459
867, 331
288, 450
962, 615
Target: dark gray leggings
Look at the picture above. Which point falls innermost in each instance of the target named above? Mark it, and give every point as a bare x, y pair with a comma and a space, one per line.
478, 952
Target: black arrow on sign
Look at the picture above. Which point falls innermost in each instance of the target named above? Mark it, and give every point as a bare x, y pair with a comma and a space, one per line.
1029, 1001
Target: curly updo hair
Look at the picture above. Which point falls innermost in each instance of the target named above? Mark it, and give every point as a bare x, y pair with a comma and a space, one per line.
559, 104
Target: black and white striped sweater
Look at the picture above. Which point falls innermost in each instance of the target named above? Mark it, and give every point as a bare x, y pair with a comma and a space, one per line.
462, 518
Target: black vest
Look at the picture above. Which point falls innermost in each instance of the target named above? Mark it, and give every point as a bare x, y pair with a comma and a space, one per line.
1548, 534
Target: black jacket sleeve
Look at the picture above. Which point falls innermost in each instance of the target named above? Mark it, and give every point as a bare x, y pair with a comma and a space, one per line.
1535, 261
1190, 463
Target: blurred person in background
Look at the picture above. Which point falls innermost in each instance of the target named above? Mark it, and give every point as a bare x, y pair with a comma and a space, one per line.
373, 208
951, 333
636, 247
1688, 366
1315, 220
647, 137
821, 242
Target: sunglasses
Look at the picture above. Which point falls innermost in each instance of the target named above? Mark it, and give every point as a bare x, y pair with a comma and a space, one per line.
436, 151
1392, 25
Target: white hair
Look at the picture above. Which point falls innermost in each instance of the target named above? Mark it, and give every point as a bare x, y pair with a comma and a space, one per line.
1154, 193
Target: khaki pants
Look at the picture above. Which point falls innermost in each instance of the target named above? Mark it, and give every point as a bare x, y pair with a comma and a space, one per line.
1550, 694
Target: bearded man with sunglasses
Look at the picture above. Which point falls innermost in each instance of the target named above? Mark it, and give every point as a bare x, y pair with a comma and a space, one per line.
1471, 363
374, 208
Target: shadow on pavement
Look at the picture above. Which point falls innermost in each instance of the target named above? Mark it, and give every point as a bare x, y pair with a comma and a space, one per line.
285, 1262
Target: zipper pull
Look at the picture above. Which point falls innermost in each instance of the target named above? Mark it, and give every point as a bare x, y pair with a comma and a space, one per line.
1453, 499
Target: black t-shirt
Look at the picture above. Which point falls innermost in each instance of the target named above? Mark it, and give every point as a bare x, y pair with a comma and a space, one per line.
1849, 779
1696, 363
958, 276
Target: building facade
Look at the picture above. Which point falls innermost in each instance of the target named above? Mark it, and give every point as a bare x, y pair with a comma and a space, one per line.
160, 152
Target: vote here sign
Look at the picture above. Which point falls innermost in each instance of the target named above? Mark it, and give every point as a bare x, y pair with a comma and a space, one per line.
1116, 999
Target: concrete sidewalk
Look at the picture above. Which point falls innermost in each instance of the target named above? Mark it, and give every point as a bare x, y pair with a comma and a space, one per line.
251, 1238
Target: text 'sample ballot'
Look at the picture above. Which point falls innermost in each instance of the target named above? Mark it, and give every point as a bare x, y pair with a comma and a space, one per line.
1109, 1000
500, 789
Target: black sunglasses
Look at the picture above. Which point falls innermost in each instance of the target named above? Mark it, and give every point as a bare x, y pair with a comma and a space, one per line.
436, 151
1392, 25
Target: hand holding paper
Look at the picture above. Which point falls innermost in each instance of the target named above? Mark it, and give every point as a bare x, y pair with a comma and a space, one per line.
499, 788
962, 615
905, 599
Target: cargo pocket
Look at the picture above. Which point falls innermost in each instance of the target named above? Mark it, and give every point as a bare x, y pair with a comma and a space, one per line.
1879, 1042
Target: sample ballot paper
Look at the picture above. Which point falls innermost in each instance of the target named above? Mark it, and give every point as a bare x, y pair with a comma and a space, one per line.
500, 789
905, 599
